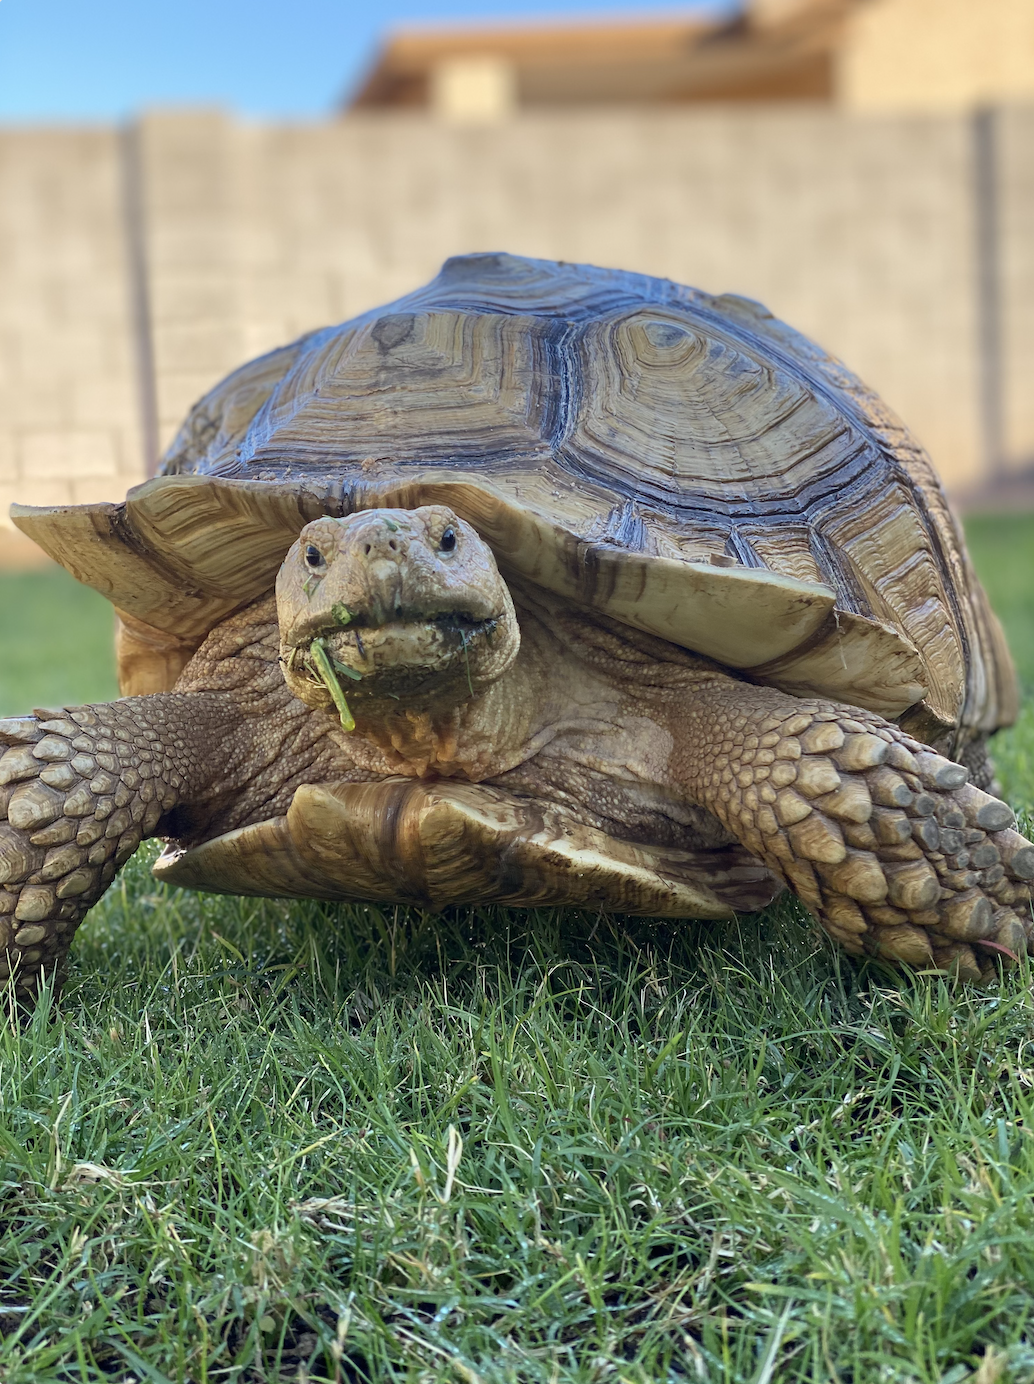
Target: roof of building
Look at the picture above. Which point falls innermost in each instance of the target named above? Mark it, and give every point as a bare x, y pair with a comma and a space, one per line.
777, 49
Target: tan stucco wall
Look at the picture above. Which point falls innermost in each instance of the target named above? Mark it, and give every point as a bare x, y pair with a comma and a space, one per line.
937, 55
1015, 146
69, 423
859, 229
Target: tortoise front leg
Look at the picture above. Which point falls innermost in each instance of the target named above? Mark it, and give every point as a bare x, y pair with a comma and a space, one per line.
79, 790
884, 841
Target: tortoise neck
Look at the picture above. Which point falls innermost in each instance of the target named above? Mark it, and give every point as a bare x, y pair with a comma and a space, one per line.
485, 734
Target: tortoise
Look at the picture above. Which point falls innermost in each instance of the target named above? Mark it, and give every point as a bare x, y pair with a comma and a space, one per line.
543, 585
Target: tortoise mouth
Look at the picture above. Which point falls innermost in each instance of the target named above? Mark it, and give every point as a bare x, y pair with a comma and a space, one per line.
398, 658
328, 625
362, 630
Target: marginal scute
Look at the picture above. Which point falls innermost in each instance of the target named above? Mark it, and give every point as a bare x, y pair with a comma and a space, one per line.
231, 536
852, 659
149, 660
90, 542
889, 551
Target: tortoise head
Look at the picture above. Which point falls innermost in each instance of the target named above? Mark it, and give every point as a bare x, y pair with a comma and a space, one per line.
393, 605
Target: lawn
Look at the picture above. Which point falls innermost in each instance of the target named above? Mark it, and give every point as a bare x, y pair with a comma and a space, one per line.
262, 1141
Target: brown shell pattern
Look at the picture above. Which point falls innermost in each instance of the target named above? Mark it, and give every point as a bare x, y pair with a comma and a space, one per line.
645, 447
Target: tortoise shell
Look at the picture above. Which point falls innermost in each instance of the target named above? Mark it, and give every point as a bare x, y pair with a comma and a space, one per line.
686, 463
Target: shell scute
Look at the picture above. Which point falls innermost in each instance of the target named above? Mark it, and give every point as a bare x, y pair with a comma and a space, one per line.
892, 560
417, 388
697, 420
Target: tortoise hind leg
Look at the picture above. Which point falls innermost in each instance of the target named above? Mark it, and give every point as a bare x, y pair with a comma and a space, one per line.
977, 760
885, 842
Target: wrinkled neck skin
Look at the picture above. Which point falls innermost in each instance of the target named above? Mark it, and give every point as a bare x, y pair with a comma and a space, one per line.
480, 735
587, 717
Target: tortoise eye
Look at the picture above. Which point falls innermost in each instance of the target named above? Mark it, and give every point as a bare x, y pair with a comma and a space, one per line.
447, 542
313, 557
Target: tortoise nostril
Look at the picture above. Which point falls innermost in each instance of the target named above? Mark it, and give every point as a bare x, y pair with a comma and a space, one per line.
393, 545
367, 549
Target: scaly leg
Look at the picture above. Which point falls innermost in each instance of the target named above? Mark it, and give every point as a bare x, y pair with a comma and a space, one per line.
883, 840
79, 790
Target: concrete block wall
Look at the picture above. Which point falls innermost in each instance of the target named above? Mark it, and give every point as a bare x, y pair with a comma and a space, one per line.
69, 417
137, 269
189, 213
1013, 152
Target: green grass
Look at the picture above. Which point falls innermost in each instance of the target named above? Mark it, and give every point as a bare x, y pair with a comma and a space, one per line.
58, 642
262, 1142
1002, 547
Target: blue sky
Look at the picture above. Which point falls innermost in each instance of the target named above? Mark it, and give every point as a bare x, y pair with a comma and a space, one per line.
101, 60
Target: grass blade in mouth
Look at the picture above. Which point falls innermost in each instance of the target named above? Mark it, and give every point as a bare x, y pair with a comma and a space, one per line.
466, 660
325, 668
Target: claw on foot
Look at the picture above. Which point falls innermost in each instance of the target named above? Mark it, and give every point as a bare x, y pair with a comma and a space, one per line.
890, 845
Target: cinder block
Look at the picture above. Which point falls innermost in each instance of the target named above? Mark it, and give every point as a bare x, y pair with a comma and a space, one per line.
213, 347
63, 455
8, 457
90, 489
105, 400
34, 492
